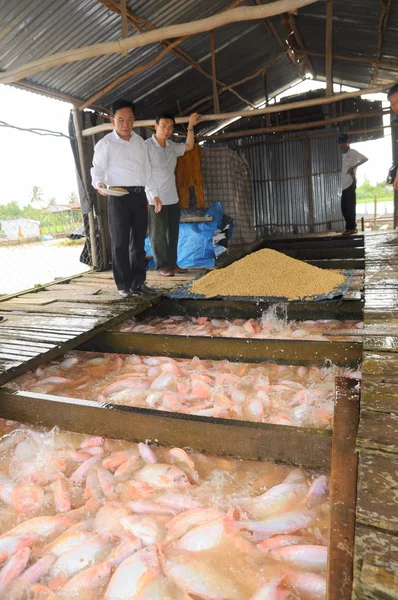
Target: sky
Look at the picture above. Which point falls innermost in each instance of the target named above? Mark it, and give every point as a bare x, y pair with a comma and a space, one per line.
27, 159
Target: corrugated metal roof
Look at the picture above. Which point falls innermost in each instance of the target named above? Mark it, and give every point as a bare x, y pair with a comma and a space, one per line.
32, 29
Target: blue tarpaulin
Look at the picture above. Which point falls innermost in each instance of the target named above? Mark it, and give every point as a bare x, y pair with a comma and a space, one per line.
195, 242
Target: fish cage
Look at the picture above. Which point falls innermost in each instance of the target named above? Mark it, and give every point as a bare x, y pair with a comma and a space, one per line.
327, 450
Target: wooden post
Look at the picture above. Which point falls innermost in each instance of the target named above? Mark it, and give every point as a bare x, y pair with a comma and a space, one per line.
78, 132
309, 181
213, 72
267, 116
329, 41
343, 493
123, 14
375, 210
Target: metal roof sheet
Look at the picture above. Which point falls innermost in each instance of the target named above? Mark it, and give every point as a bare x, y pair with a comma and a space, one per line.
32, 29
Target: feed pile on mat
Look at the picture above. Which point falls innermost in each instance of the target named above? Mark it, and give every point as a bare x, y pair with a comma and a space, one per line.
93, 518
269, 393
268, 273
244, 328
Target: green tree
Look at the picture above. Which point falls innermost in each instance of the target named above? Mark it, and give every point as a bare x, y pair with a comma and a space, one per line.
72, 198
51, 202
37, 196
10, 210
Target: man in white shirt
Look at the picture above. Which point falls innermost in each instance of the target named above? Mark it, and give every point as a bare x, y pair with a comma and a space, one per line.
164, 224
351, 160
121, 160
392, 95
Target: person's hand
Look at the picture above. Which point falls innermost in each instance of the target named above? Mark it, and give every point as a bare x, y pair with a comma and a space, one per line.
396, 182
158, 204
101, 189
194, 119
351, 172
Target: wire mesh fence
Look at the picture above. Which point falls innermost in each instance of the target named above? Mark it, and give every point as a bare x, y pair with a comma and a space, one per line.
40, 246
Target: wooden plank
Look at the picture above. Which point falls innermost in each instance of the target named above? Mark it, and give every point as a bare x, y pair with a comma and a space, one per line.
377, 504
379, 396
344, 464
26, 343
235, 349
196, 219
387, 343
257, 441
28, 299
91, 327
81, 288
98, 309
378, 431
380, 364
50, 321
380, 581
21, 350
375, 548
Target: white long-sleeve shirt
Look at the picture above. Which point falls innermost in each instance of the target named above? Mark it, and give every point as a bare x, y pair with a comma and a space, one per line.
349, 159
118, 162
163, 162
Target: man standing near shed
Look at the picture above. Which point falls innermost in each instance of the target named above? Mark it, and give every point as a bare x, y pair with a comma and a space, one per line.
121, 160
351, 160
164, 224
393, 98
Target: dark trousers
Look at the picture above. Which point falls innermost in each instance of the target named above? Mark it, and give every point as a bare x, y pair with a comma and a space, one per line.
348, 206
128, 223
163, 231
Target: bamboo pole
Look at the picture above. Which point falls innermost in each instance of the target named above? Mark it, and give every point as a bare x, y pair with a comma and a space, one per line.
225, 88
216, 102
267, 116
290, 127
329, 41
123, 14
246, 13
275, 108
79, 138
143, 25
392, 64
130, 74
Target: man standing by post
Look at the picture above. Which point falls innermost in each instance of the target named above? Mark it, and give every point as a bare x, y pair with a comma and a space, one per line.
351, 160
121, 160
393, 98
164, 224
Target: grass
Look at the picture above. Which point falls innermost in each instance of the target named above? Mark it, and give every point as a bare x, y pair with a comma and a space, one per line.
371, 200
68, 242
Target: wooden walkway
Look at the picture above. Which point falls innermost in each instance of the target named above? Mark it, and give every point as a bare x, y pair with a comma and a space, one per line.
39, 325
376, 548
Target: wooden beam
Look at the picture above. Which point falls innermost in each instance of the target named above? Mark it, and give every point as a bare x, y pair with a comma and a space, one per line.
329, 43
80, 148
256, 73
382, 25
296, 45
123, 10
275, 108
343, 489
143, 25
266, 98
216, 102
270, 29
387, 64
236, 15
291, 127
131, 73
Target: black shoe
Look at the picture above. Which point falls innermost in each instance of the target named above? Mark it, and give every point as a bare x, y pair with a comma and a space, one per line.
135, 292
144, 289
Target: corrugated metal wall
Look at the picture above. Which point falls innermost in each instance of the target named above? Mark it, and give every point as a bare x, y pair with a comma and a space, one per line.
296, 181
